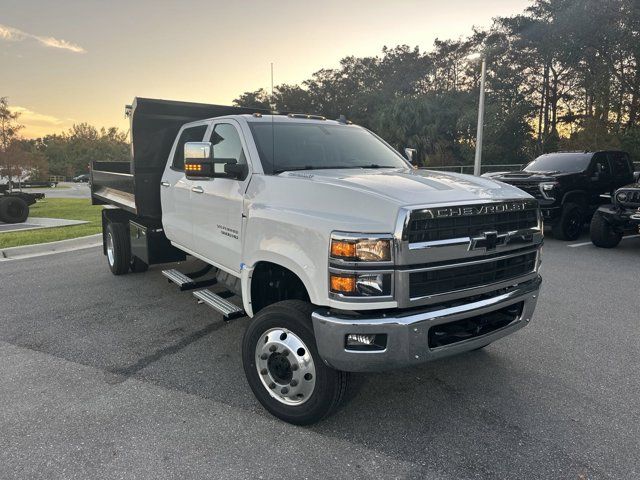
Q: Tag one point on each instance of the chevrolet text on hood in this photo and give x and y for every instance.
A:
(475, 210)
(344, 256)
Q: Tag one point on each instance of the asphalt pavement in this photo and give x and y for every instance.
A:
(126, 377)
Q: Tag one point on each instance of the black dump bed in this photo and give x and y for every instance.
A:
(135, 185)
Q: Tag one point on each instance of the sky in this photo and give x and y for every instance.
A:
(71, 61)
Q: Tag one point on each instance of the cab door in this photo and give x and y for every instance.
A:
(217, 203)
(175, 190)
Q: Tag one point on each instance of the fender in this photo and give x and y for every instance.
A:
(578, 193)
(304, 274)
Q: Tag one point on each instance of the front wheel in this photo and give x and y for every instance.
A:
(602, 233)
(569, 225)
(284, 369)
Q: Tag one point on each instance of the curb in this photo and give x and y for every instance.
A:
(39, 249)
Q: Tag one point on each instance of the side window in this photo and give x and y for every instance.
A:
(192, 134)
(601, 165)
(227, 145)
(620, 164)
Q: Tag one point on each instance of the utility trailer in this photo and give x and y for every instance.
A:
(14, 206)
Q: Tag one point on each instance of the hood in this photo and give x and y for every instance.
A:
(412, 187)
(532, 177)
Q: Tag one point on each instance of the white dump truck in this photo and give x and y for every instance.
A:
(345, 257)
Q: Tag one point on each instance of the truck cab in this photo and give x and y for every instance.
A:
(345, 257)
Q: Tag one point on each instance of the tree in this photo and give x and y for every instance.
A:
(17, 157)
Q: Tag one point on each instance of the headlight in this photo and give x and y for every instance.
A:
(621, 196)
(361, 249)
(546, 188)
(361, 284)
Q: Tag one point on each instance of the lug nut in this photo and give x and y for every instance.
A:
(294, 367)
(264, 356)
(294, 383)
(286, 353)
(263, 371)
(284, 391)
(272, 385)
(273, 348)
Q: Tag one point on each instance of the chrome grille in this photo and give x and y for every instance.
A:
(427, 226)
(633, 197)
(451, 278)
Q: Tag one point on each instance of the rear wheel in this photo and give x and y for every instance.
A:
(284, 369)
(118, 248)
(569, 225)
(602, 233)
(13, 210)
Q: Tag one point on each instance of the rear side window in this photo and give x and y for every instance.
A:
(191, 134)
(620, 163)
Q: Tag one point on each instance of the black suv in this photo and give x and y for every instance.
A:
(569, 186)
(610, 222)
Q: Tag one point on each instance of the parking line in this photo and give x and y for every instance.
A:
(589, 243)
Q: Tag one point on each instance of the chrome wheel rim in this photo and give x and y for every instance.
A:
(110, 253)
(285, 366)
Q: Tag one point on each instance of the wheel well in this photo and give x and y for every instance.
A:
(271, 283)
(578, 197)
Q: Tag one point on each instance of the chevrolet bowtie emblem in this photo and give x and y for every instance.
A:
(488, 240)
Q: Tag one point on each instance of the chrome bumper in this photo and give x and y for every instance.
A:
(407, 335)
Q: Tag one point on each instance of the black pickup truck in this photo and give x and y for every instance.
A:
(569, 186)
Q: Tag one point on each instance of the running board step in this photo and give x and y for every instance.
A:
(228, 310)
(178, 278)
(185, 282)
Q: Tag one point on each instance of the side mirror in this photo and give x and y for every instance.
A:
(199, 162)
(411, 154)
(236, 170)
(198, 159)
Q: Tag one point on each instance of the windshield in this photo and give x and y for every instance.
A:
(300, 146)
(560, 162)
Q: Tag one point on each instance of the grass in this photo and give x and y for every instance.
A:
(68, 208)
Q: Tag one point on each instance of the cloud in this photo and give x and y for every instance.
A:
(30, 117)
(39, 124)
(14, 35)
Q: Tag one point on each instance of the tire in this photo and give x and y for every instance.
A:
(569, 225)
(13, 209)
(287, 370)
(118, 248)
(602, 233)
(138, 266)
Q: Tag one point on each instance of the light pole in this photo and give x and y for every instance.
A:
(478, 160)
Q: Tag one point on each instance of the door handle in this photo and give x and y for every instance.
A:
(165, 184)
(197, 189)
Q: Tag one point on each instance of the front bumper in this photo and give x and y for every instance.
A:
(408, 333)
(624, 218)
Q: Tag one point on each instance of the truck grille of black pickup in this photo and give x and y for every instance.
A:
(460, 277)
(434, 229)
(468, 328)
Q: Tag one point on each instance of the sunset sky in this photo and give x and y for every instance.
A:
(82, 60)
